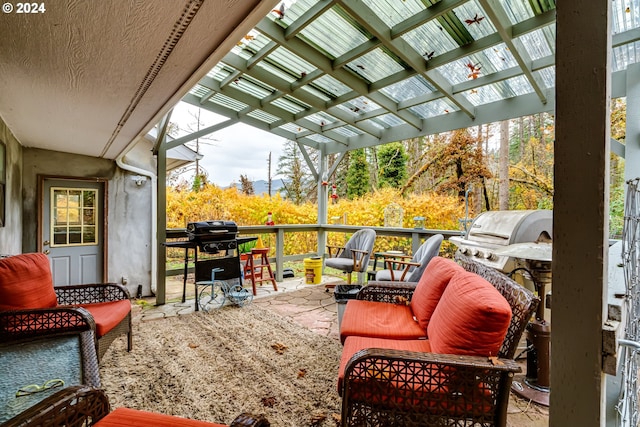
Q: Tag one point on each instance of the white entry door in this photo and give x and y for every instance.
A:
(72, 230)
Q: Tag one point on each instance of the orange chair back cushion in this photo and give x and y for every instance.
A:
(471, 318)
(25, 282)
(429, 289)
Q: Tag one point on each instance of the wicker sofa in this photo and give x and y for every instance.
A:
(457, 371)
(30, 305)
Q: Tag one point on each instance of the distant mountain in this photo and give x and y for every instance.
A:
(261, 186)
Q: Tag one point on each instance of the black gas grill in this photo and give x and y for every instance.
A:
(213, 236)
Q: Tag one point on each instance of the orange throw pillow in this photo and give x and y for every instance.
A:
(25, 282)
(429, 289)
(471, 319)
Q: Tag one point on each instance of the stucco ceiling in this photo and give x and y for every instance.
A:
(89, 77)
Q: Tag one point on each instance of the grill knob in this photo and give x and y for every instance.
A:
(465, 251)
(490, 256)
(479, 254)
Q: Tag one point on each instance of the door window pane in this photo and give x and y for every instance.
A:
(74, 214)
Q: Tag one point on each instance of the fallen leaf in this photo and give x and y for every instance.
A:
(318, 418)
(269, 401)
(279, 347)
(192, 345)
(302, 372)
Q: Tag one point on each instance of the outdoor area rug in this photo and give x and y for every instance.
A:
(215, 366)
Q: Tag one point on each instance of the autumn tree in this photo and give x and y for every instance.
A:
(392, 165)
(452, 162)
(357, 174)
(246, 186)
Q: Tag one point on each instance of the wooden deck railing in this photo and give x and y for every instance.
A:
(283, 232)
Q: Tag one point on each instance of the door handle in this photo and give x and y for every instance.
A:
(46, 252)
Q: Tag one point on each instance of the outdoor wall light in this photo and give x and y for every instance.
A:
(139, 180)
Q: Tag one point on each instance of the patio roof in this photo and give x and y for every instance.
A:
(346, 74)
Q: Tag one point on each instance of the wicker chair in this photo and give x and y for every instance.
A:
(31, 306)
(385, 387)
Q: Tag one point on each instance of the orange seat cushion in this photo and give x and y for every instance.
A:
(108, 314)
(429, 289)
(471, 318)
(354, 344)
(380, 320)
(125, 417)
(25, 282)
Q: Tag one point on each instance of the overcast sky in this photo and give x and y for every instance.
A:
(235, 150)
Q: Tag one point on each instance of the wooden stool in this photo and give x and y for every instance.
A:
(257, 261)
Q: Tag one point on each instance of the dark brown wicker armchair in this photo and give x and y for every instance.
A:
(31, 306)
(384, 387)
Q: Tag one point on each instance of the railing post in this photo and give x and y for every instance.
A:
(279, 254)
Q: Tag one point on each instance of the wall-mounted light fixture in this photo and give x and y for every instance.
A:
(139, 180)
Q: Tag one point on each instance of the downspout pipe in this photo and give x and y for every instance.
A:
(154, 211)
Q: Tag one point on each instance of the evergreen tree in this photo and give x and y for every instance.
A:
(392, 165)
(357, 174)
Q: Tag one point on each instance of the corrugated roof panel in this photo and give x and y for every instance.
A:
(517, 10)
(253, 41)
(625, 15)
(347, 131)
(289, 62)
(292, 11)
(322, 119)
(483, 95)
(390, 120)
(474, 19)
(293, 128)
(516, 86)
(548, 76)
(467, 68)
(317, 93)
(319, 138)
(290, 106)
(220, 72)
(331, 85)
(393, 12)
(624, 55)
(252, 86)
(333, 34)
(277, 72)
(540, 43)
(434, 108)
(375, 65)
(263, 116)
(374, 123)
(199, 90)
(228, 102)
(430, 40)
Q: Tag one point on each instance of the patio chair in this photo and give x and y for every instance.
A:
(31, 306)
(354, 255)
(403, 382)
(36, 367)
(411, 270)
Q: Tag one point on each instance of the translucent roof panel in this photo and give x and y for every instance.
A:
(289, 62)
(430, 40)
(334, 34)
(474, 18)
(540, 43)
(393, 12)
(517, 10)
(408, 89)
(375, 65)
(433, 108)
(336, 72)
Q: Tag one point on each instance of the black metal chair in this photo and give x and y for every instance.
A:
(412, 270)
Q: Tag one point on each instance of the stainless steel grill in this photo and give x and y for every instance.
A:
(495, 230)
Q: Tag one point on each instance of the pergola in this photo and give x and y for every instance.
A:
(338, 75)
